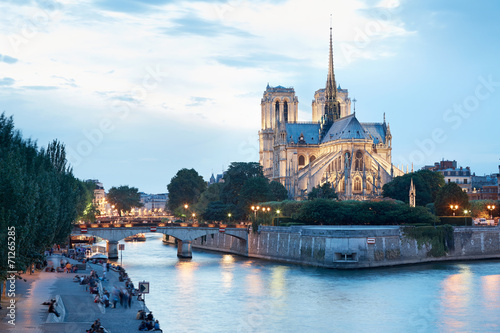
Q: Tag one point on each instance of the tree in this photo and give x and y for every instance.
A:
(217, 211)
(211, 194)
(325, 191)
(254, 190)
(426, 182)
(278, 191)
(40, 199)
(185, 188)
(451, 194)
(235, 177)
(124, 198)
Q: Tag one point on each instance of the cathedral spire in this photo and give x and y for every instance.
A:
(331, 87)
(332, 106)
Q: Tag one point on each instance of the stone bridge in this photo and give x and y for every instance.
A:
(183, 232)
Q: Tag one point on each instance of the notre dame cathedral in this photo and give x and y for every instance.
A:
(334, 147)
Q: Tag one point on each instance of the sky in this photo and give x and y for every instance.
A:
(137, 90)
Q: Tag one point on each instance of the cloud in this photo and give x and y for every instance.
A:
(257, 60)
(7, 81)
(198, 101)
(7, 59)
(130, 6)
(195, 25)
(40, 87)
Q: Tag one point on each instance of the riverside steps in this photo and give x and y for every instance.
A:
(76, 305)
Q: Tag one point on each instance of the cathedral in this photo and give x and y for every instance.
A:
(354, 157)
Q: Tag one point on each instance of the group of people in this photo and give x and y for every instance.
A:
(148, 322)
(97, 327)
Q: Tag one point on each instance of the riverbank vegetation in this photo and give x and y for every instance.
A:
(39, 198)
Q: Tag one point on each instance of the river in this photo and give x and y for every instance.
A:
(215, 292)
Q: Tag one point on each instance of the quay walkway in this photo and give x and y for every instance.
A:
(81, 311)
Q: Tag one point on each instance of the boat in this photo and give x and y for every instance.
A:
(136, 238)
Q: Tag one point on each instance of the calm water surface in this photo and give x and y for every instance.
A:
(226, 293)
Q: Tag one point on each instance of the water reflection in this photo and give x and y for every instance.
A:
(227, 293)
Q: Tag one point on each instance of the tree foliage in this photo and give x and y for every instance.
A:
(124, 198)
(185, 188)
(328, 212)
(325, 191)
(278, 191)
(451, 194)
(39, 196)
(427, 185)
(235, 177)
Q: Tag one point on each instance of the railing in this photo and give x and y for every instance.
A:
(150, 224)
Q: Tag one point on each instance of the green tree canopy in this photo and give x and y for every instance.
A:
(235, 177)
(278, 191)
(325, 191)
(185, 188)
(40, 199)
(124, 198)
(427, 184)
(451, 194)
(211, 194)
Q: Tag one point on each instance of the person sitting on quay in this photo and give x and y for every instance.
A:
(156, 326)
(150, 316)
(141, 315)
(52, 308)
(143, 326)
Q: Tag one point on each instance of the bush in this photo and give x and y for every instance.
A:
(455, 220)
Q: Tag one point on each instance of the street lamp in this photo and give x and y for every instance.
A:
(453, 208)
(278, 221)
(194, 215)
(490, 208)
(229, 216)
(255, 209)
(185, 211)
(465, 215)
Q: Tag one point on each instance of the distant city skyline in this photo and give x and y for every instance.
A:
(137, 90)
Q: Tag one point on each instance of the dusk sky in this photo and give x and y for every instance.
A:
(140, 89)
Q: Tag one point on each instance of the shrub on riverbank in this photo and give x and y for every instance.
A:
(327, 212)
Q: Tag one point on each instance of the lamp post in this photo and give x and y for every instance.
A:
(266, 209)
(453, 208)
(229, 217)
(185, 212)
(193, 215)
(255, 209)
(465, 215)
(490, 208)
(278, 221)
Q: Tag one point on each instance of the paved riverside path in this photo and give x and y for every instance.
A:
(81, 311)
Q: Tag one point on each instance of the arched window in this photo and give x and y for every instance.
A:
(358, 162)
(357, 185)
(277, 110)
(302, 160)
(369, 184)
(342, 185)
(285, 112)
(312, 158)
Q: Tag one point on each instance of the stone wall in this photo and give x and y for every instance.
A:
(351, 247)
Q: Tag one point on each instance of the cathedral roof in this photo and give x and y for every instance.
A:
(346, 128)
(376, 130)
(309, 132)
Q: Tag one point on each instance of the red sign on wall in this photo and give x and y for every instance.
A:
(153, 229)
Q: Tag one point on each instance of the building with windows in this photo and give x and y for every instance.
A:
(454, 174)
(334, 147)
(99, 201)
